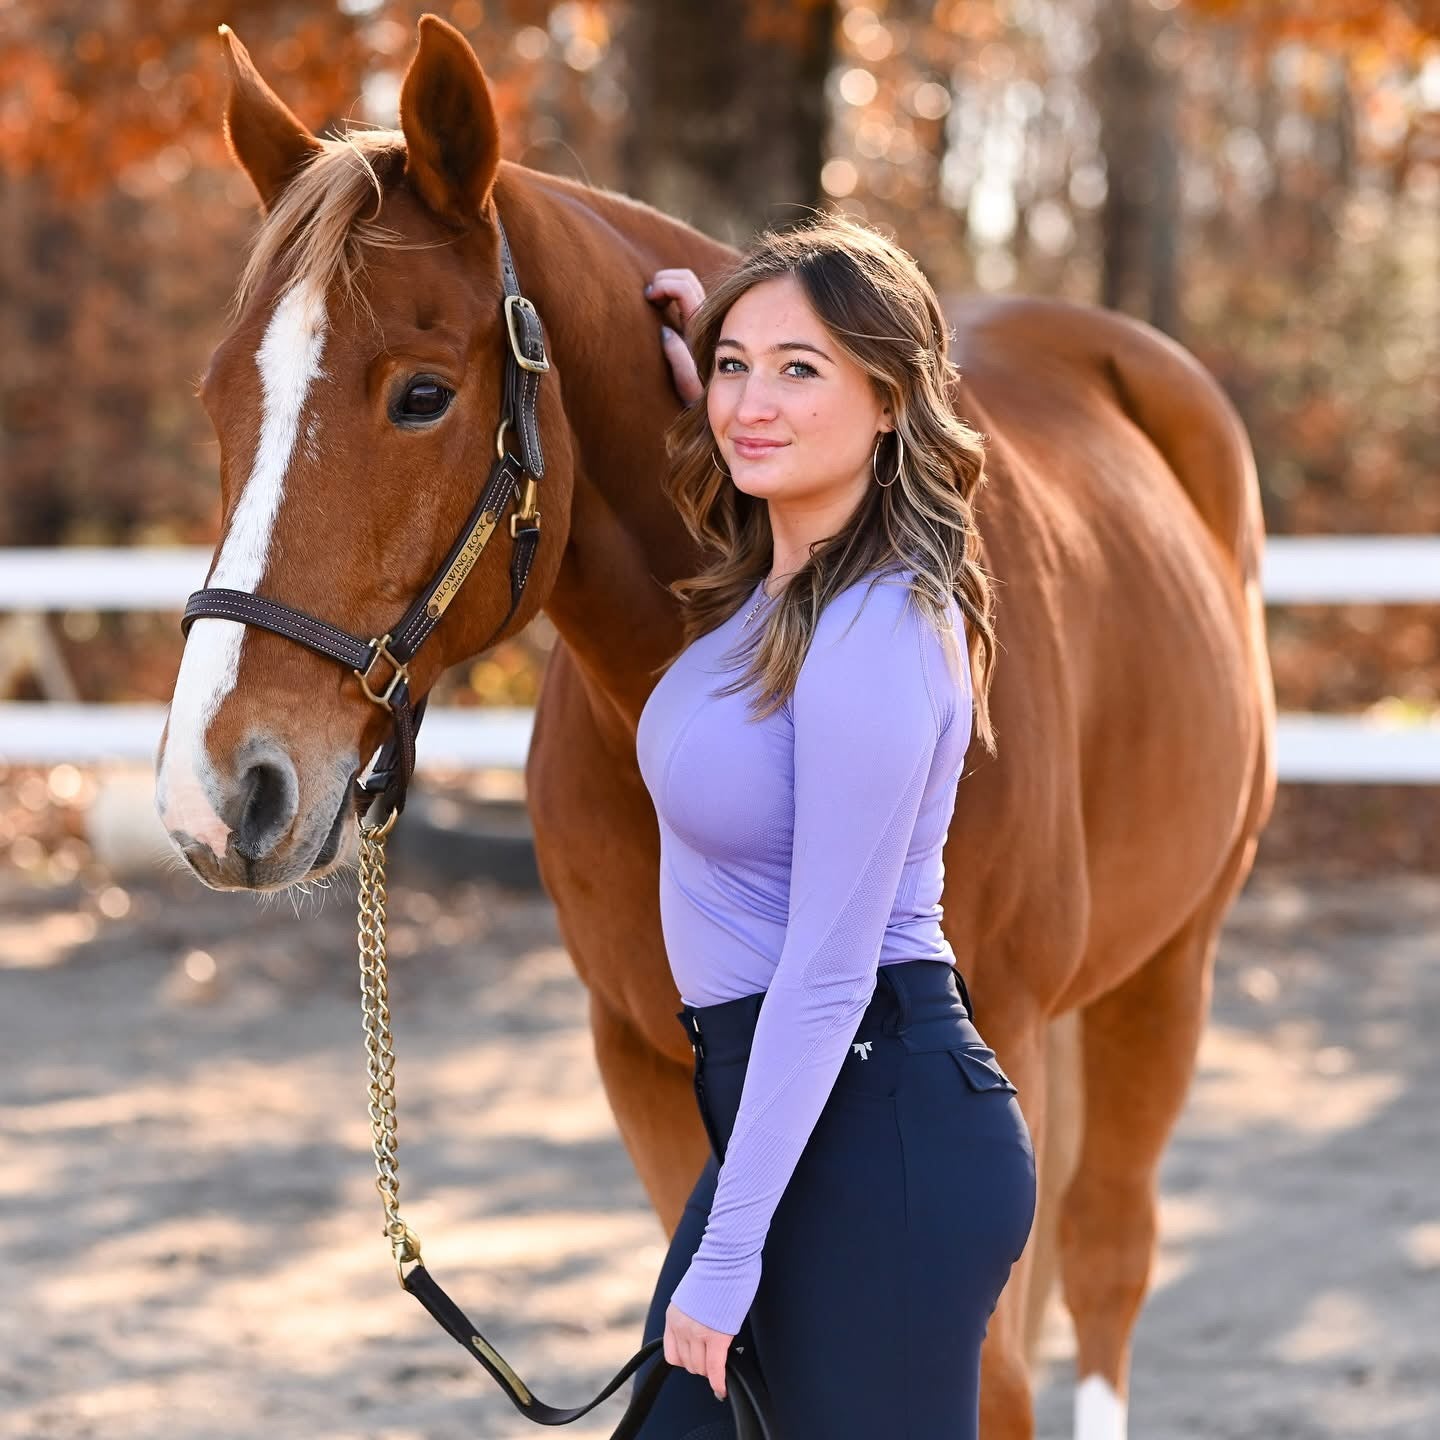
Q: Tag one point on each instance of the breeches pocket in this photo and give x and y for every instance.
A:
(977, 1063)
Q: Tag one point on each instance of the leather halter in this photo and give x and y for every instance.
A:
(525, 363)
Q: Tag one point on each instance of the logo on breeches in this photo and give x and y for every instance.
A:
(862, 1048)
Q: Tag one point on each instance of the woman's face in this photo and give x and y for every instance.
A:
(781, 382)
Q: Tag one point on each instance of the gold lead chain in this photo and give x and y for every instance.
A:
(379, 1043)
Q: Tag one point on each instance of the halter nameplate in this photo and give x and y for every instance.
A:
(462, 565)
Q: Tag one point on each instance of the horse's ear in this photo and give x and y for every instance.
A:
(452, 140)
(264, 136)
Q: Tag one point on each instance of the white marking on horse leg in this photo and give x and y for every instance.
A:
(1099, 1411)
(288, 361)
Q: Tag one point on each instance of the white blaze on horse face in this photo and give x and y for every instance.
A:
(1099, 1411)
(289, 362)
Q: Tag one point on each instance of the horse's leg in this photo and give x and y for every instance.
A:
(1139, 1044)
(653, 1099)
(1057, 1154)
(1006, 1403)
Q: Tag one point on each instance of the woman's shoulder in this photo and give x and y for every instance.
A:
(880, 601)
(876, 634)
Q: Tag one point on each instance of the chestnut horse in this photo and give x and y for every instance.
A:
(1088, 867)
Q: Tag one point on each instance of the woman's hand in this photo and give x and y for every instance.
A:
(683, 287)
(696, 1347)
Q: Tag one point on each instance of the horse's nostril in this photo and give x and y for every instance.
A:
(266, 801)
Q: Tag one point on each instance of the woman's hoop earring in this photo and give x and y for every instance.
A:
(720, 467)
(899, 461)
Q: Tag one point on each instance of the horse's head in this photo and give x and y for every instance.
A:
(356, 397)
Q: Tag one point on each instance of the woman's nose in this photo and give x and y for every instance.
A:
(757, 401)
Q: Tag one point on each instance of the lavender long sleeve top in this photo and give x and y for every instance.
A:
(797, 854)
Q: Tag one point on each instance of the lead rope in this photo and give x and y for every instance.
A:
(380, 1043)
(405, 1243)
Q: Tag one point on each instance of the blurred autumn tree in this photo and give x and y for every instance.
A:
(1261, 179)
(728, 120)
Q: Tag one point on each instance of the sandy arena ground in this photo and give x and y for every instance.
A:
(191, 1236)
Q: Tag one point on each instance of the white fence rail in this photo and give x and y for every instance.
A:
(1298, 570)
(1352, 569)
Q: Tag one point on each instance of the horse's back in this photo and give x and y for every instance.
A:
(1112, 361)
(1121, 519)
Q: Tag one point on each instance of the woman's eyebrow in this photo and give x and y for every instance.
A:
(783, 345)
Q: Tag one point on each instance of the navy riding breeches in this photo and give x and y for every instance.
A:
(894, 1237)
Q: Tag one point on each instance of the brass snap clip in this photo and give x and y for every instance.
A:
(378, 829)
(528, 511)
(405, 1246)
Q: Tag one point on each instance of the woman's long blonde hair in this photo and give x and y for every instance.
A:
(881, 310)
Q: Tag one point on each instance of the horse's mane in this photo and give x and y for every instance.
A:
(317, 228)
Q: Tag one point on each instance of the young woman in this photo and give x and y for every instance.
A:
(872, 1180)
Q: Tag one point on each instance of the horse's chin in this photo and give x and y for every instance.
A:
(325, 859)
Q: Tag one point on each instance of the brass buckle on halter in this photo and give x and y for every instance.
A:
(382, 652)
(513, 303)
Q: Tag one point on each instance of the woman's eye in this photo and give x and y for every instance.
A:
(721, 366)
(425, 400)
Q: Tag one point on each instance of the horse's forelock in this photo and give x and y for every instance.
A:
(317, 230)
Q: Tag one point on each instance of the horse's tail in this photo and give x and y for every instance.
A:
(1177, 403)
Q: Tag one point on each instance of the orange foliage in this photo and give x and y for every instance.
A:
(1402, 27)
(82, 104)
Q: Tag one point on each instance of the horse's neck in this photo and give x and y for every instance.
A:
(583, 257)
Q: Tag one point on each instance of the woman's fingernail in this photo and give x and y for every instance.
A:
(649, 288)
(666, 332)
(717, 1394)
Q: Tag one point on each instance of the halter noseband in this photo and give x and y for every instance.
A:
(525, 363)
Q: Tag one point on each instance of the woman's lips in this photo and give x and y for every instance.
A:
(758, 449)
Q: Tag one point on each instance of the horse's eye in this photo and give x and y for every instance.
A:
(425, 399)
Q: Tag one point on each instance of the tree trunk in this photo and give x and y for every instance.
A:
(728, 110)
(1135, 100)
